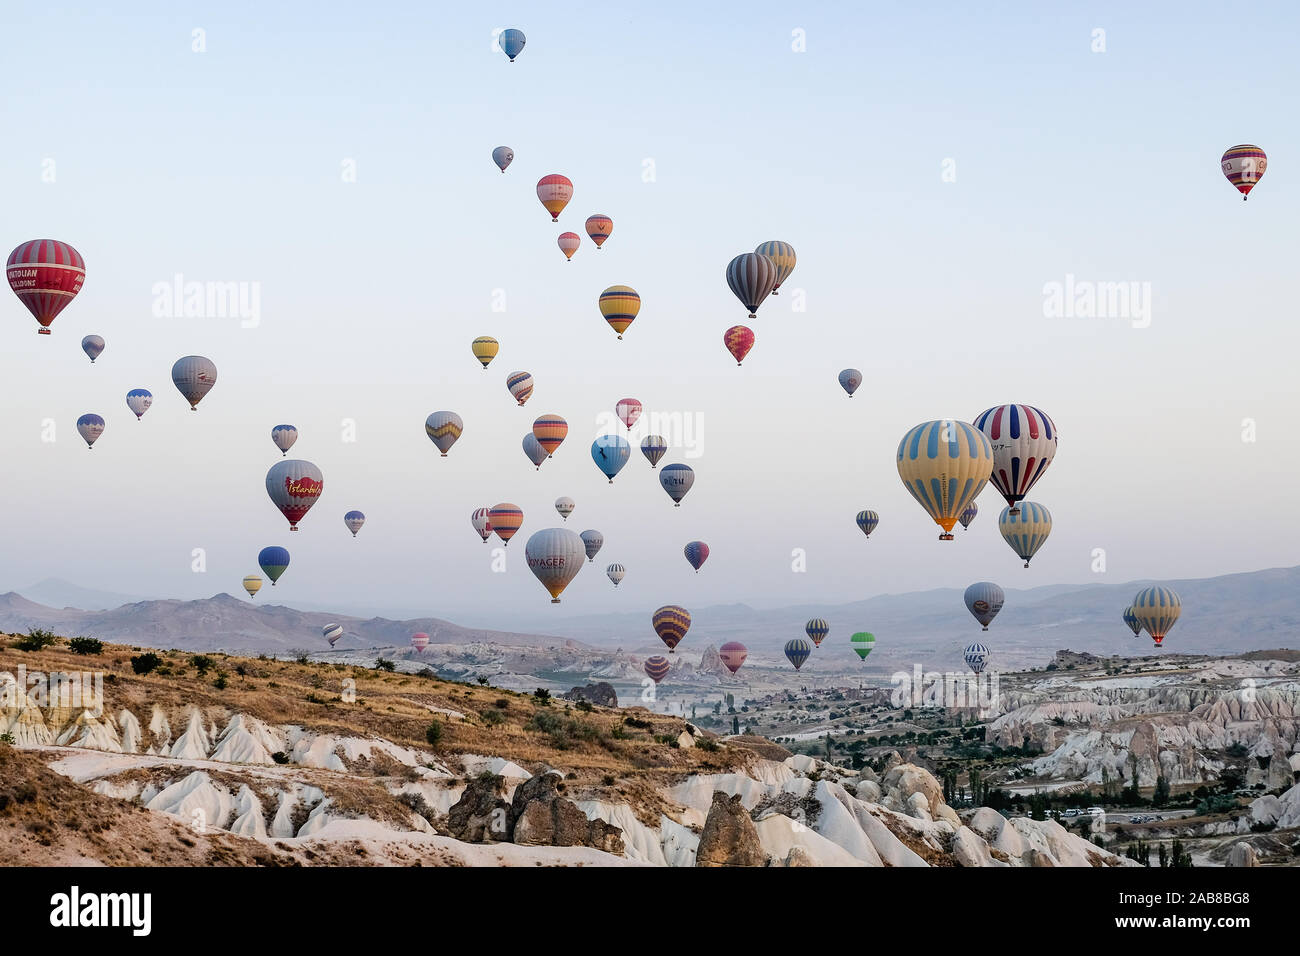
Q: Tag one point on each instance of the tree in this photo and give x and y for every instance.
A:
(735, 724)
(201, 663)
(1161, 796)
(433, 734)
(145, 663)
(37, 639)
(86, 645)
(1164, 855)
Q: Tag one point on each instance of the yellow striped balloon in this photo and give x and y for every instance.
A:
(944, 465)
(549, 430)
(485, 349)
(671, 622)
(252, 584)
(619, 304)
(782, 253)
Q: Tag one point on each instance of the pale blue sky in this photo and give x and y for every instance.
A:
(226, 165)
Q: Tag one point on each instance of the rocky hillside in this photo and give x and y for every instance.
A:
(257, 761)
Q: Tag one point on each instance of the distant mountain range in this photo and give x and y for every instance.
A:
(1221, 615)
(226, 623)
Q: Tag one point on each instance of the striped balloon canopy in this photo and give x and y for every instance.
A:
(569, 243)
(615, 573)
(550, 431)
(1025, 529)
(782, 256)
(862, 643)
(944, 464)
(817, 629)
(968, 515)
(1244, 165)
(1157, 610)
(485, 349)
(697, 552)
(1024, 442)
(797, 651)
(977, 657)
(1132, 621)
(733, 654)
(599, 228)
(654, 447)
(252, 584)
(867, 521)
(619, 304)
(273, 561)
(482, 522)
(751, 278)
(443, 428)
(657, 667)
(420, 641)
(505, 519)
(46, 275)
(554, 192)
(671, 622)
(332, 633)
(520, 385)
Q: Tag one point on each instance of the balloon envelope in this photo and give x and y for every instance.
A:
(93, 346)
(354, 520)
(555, 557)
(671, 622)
(284, 436)
(697, 552)
(867, 521)
(628, 411)
(420, 641)
(677, 480)
(554, 191)
(550, 431)
(797, 651)
(505, 519)
(485, 349)
(653, 447)
(565, 506)
(863, 644)
(139, 400)
(738, 339)
(610, 453)
(1132, 621)
(46, 275)
(733, 654)
(615, 573)
(657, 667)
(1024, 443)
(1157, 610)
(977, 657)
(598, 228)
(273, 561)
(751, 278)
(569, 243)
(503, 156)
(252, 584)
(592, 542)
(520, 385)
(944, 465)
(90, 427)
(817, 629)
(1026, 530)
(984, 599)
(332, 633)
(294, 486)
(194, 376)
(443, 428)
(850, 379)
(619, 304)
(512, 42)
(482, 523)
(535, 450)
(782, 256)
(968, 515)
(1244, 165)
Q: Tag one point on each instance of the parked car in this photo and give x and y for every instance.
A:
(1072, 812)
(1136, 819)
(1095, 812)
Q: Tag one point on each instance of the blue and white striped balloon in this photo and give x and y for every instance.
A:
(944, 464)
(284, 436)
(977, 657)
(1157, 609)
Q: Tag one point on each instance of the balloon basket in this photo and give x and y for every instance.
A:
(42, 331)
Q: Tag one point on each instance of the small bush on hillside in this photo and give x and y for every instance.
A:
(433, 734)
(220, 682)
(493, 717)
(36, 639)
(542, 696)
(7, 738)
(146, 663)
(482, 681)
(426, 673)
(585, 706)
(707, 744)
(501, 704)
(382, 664)
(280, 757)
(86, 645)
(299, 655)
(201, 663)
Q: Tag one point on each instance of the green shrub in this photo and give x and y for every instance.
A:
(381, 664)
(542, 696)
(201, 663)
(146, 663)
(585, 706)
(280, 757)
(86, 645)
(493, 717)
(433, 734)
(36, 639)
(220, 682)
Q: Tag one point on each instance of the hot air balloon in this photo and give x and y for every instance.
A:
(733, 654)
(535, 450)
(565, 507)
(482, 523)
(520, 385)
(554, 555)
(332, 633)
(984, 600)
(420, 641)
(485, 349)
(1244, 165)
(968, 515)
(862, 643)
(751, 277)
(598, 228)
(194, 376)
(797, 651)
(610, 453)
(619, 304)
(615, 573)
(817, 629)
(697, 552)
(443, 428)
(628, 411)
(1026, 530)
(294, 486)
(677, 481)
(354, 520)
(867, 521)
(284, 436)
(550, 430)
(90, 426)
(738, 339)
(671, 624)
(850, 379)
(657, 667)
(782, 256)
(654, 447)
(139, 400)
(1024, 444)
(554, 191)
(512, 42)
(1132, 621)
(569, 243)
(505, 519)
(977, 657)
(46, 275)
(944, 465)
(93, 346)
(592, 541)
(252, 584)
(273, 561)
(1157, 610)
(503, 156)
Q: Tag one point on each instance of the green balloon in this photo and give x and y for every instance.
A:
(862, 643)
